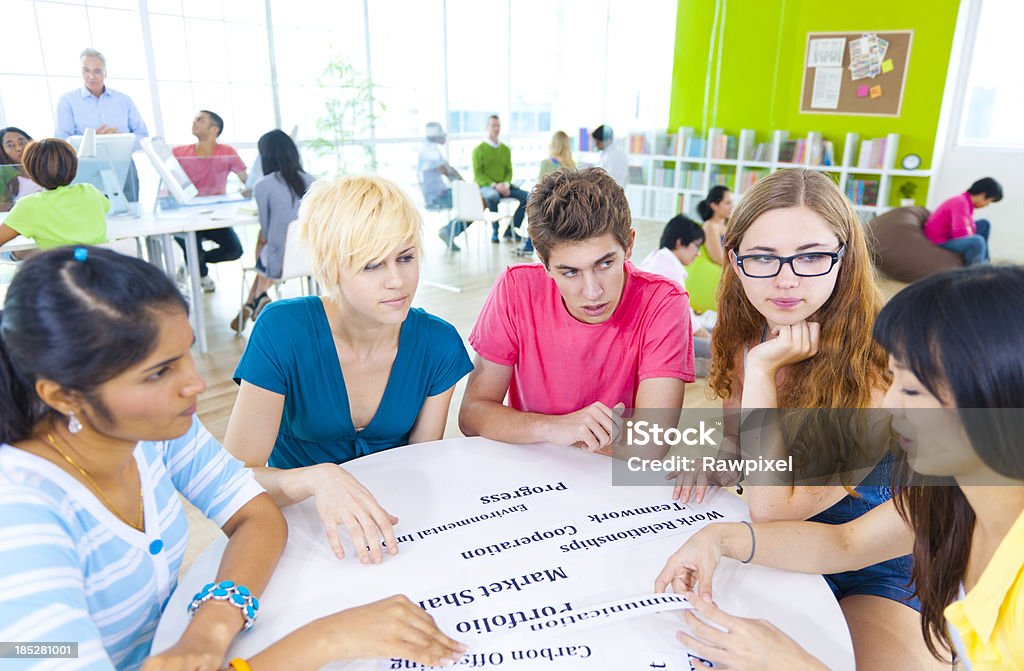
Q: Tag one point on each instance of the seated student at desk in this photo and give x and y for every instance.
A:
(12, 144)
(208, 163)
(571, 339)
(63, 213)
(324, 380)
(99, 443)
(278, 194)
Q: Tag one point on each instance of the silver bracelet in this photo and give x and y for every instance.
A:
(753, 542)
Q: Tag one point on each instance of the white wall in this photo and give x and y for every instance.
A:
(957, 167)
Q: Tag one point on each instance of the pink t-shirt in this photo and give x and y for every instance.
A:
(952, 219)
(209, 173)
(560, 364)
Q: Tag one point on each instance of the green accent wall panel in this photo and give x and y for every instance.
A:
(739, 64)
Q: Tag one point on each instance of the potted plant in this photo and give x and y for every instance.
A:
(350, 114)
(907, 191)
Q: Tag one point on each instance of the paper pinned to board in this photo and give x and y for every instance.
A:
(826, 52)
(886, 66)
(827, 83)
(866, 57)
(863, 91)
(876, 92)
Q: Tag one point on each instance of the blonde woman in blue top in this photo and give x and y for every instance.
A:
(98, 438)
(326, 379)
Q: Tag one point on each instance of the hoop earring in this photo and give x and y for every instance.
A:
(74, 426)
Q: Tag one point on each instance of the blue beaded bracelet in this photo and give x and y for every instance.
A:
(225, 590)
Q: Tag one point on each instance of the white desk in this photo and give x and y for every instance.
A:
(429, 486)
(164, 226)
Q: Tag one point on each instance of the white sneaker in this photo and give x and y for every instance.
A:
(207, 284)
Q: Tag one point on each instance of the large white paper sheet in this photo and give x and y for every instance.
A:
(827, 52)
(827, 82)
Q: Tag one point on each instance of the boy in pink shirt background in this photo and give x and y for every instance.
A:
(208, 163)
(576, 339)
(952, 225)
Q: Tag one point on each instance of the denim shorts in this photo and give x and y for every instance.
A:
(889, 579)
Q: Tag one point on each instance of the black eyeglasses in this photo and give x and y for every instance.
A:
(809, 264)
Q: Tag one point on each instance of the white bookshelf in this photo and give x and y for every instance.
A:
(650, 199)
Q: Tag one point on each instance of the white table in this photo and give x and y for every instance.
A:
(164, 226)
(434, 484)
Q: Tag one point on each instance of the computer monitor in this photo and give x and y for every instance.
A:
(174, 178)
(105, 161)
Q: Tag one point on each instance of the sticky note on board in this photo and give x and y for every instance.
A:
(886, 65)
(876, 92)
(862, 91)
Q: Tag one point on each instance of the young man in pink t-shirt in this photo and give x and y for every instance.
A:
(952, 225)
(580, 338)
(208, 163)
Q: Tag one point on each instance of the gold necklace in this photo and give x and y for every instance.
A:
(138, 526)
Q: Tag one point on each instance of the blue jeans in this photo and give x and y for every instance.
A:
(491, 197)
(974, 248)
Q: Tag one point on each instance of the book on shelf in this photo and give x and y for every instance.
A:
(762, 152)
(724, 146)
(694, 147)
(862, 191)
(584, 141)
(666, 144)
(693, 180)
(807, 152)
(637, 175)
(872, 154)
(636, 143)
(750, 177)
(723, 178)
(664, 177)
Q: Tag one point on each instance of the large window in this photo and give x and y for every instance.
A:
(994, 106)
(542, 65)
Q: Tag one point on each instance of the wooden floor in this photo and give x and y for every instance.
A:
(474, 269)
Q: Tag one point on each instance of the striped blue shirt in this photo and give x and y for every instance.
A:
(72, 571)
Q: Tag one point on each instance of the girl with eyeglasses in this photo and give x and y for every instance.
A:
(796, 303)
(961, 511)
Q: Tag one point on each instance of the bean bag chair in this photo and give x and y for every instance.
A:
(900, 249)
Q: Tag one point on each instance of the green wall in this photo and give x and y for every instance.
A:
(751, 77)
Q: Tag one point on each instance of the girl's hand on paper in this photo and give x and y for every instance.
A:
(394, 627)
(692, 564)
(342, 500)
(741, 644)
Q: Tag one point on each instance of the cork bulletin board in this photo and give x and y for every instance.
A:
(826, 91)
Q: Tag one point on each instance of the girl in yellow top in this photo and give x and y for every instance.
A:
(63, 213)
(706, 269)
(956, 398)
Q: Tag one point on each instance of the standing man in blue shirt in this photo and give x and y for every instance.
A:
(96, 106)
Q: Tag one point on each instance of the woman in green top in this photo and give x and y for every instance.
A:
(559, 158)
(559, 155)
(60, 214)
(706, 269)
